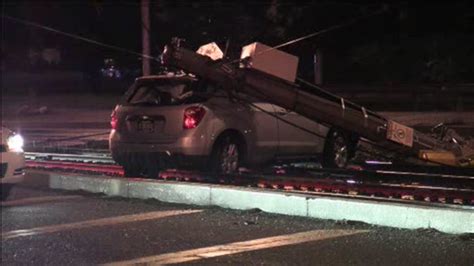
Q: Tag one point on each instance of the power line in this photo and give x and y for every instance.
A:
(78, 37)
(314, 34)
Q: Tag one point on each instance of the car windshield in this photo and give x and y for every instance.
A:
(166, 91)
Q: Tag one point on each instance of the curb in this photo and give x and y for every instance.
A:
(448, 220)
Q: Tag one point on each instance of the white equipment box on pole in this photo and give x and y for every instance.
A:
(271, 61)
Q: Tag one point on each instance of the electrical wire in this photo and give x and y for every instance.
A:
(374, 144)
(314, 34)
(339, 98)
(117, 48)
(78, 37)
(249, 103)
(245, 102)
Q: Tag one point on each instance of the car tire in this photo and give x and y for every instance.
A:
(338, 150)
(227, 155)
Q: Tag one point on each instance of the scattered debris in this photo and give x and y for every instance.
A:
(249, 223)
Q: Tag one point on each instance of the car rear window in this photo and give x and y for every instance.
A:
(166, 91)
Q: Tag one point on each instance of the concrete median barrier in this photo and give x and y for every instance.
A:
(457, 220)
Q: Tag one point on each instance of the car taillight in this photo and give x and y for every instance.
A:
(192, 116)
(113, 120)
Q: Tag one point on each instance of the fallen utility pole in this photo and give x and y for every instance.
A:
(332, 111)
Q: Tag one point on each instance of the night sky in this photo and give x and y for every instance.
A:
(387, 42)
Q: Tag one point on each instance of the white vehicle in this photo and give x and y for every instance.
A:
(12, 160)
(179, 120)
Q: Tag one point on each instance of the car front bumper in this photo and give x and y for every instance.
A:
(12, 167)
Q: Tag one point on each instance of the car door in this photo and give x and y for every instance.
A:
(265, 127)
(254, 119)
(295, 141)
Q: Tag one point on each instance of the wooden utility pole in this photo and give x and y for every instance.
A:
(145, 8)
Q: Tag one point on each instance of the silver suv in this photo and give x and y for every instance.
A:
(172, 121)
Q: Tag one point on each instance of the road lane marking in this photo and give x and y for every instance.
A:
(37, 200)
(238, 247)
(93, 223)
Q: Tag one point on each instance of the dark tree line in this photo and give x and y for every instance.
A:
(407, 42)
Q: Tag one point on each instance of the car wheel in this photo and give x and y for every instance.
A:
(227, 155)
(338, 150)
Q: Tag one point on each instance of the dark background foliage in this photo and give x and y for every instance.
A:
(408, 42)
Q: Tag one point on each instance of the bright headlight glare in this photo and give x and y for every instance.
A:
(15, 143)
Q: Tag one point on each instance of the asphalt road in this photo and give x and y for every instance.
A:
(44, 227)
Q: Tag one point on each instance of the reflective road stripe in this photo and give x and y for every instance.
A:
(37, 200)
(239, 247)
(93, 223)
